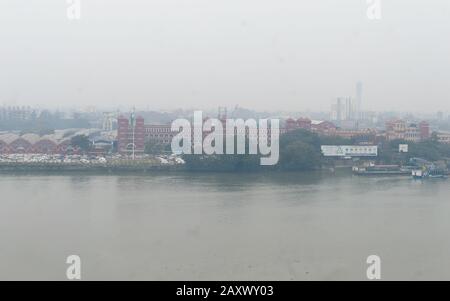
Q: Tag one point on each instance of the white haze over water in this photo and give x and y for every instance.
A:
(266, 55)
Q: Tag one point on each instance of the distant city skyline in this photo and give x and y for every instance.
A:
(168, 54)
(128, 108)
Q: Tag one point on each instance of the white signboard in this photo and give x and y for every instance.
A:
(349, 150)
(403, 148)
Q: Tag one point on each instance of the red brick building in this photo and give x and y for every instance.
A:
(301, 123)
(400, 129)
(424, 129)
(159, 133)
(130, 135)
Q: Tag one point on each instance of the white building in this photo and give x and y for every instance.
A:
(349, 150)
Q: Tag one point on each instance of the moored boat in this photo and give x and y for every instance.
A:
(433, 173)
(381, 170)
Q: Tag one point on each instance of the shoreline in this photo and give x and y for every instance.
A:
(74, 167)
(111, 168)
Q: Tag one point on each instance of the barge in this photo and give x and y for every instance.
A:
(382, 170)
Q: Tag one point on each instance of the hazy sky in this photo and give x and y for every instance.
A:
(261, 54)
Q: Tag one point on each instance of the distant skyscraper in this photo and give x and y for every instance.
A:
(339, 109)
(350, 109)
(336, 110)
(343, 109)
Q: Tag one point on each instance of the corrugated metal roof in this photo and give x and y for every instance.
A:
(32, 138)
(59, 136)
(8, 138)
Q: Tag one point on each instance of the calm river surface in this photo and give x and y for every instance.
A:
(212, 226)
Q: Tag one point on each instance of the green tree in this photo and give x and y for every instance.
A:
(299, 155)
(82, 142)
(301, 135)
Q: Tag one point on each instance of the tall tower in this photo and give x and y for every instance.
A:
(339, 109)
(131, 135)
(349, 109)
(359, 87)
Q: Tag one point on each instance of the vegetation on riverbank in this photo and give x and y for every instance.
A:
(430, 150)
(300, 151)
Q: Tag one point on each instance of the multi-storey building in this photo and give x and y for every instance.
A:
(363, 134)
(163, 134)
(400, 129)
(130, 135)
(159, 133)
(443, 137)
(319, 126)
(15, 113)
(301, 123)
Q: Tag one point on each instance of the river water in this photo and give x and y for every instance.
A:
(213, 226)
